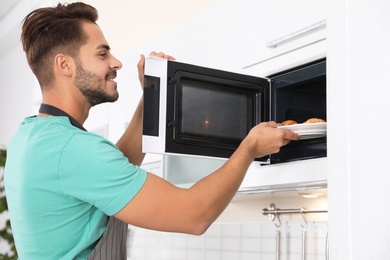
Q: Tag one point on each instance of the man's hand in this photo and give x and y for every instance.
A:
(141, 64)
(266, 138)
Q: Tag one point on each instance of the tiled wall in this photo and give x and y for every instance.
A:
(235, 241)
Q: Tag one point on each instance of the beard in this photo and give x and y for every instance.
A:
(92, 86)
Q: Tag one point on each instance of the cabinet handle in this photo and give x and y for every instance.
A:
(297, 34)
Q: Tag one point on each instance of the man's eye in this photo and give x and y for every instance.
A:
(103, 55)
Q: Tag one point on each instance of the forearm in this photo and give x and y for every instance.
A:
(130, 142)
(186, 210)
(215, 191)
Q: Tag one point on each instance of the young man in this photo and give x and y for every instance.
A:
(71, 193)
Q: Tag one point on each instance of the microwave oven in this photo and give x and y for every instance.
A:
(199, 111)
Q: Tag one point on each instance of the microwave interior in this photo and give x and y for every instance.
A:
(300, 94)
(209, 112)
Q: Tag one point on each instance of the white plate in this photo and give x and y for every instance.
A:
(307, 131)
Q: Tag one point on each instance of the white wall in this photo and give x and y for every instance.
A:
(18, 82)
(16, 92)
(231, 241)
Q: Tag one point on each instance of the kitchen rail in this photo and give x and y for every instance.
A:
(272, 211)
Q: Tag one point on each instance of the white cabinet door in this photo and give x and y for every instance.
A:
(232, 35)
(280, 34)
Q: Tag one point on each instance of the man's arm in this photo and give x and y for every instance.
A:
(160, 205)
(130, 142)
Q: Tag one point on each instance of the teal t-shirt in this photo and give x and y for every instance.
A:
(61, 184)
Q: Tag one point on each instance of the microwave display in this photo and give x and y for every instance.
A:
(193, 110)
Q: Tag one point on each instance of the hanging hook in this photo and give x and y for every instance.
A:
(274, 214)
(303, 250)
(278, 224)
(304, 219)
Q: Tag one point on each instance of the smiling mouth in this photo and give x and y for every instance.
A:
(111, 76)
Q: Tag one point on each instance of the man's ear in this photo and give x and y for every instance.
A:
(63, 64)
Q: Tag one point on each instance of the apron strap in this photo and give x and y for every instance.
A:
(54, 111)
(112, 244)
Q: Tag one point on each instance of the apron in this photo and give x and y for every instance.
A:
(112, 245)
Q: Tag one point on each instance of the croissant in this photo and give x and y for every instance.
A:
(314, 120)
(289, 122)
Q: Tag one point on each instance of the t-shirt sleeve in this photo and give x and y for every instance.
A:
(94, 170)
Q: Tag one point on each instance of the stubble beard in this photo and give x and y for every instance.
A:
(91, 86)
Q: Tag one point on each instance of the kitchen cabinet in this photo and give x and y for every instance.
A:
(232, 35)
(269, 33)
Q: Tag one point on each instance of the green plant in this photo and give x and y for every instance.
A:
(6, 232)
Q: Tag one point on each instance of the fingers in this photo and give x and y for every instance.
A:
(266, 138)
(141, 64)
(269, 124)
(140, 67)
(288, 135)
(162, 55)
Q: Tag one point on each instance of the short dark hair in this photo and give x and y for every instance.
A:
(48, 31)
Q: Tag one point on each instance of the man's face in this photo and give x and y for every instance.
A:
(96, 68)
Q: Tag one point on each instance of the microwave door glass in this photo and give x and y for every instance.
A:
(209, 113)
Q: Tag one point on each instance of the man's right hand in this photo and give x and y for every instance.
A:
(265, 138)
